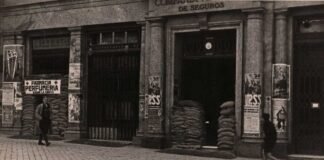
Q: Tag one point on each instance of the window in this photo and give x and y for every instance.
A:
(50, 55)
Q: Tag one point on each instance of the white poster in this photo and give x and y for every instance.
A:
(8, 94)
(74, 108)
(280, 116)
(251, 120)
(280, 80)
(42, 86)
(252, 100)
(13, 62)
(74, 76)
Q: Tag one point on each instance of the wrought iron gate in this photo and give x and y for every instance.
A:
(113, 95)
(308, 100)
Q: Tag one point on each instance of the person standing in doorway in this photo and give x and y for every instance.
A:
(43, 116)
(270, 137)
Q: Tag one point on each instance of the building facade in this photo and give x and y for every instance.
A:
(185, 74)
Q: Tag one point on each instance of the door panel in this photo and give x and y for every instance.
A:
(308, 119)
(113, 95)
(209, 82)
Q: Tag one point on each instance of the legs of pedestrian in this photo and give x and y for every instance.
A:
(40, 139)
(46, 140)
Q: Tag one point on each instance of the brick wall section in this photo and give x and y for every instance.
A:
(59, 104)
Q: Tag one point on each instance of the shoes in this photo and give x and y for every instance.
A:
(47, 144)
(40, 143)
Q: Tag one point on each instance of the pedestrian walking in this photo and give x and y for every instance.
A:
(270, 137)
(43, 116)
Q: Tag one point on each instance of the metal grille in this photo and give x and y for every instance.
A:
(308, 121)
(113, 95)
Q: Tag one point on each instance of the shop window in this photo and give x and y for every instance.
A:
(50, 55)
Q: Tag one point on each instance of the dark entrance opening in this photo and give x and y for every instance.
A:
(308, 87)
(113, 83)
(208, 73)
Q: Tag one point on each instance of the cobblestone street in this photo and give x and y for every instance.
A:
(21, 149)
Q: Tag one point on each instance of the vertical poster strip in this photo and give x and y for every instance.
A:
(252, 106)
(7, 116)
(7, 104)
(8, 94)
(13, 63)
(74, 108)
(154, 95)
(17, 95)
(280, 116)
(75, 76)
(280, 80)
(154, 104)
(75, 54)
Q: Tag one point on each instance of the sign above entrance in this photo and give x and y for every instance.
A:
(171, 7)
(43, 86)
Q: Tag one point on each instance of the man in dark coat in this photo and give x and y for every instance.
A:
(43, 116)
(270, 137)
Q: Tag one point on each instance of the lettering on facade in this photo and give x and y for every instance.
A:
(42, 86)
(190, 5)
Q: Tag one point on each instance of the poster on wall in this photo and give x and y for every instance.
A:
(75, 56)
(280, 116)
(74, 76)
(280, 80)
(7, 116)
(154, 120)
(8, 94)
(252, 104)
(74, 108)
(252, 83)
(12, 62)
(17, 95)
(154, 89)
(42, 86)
(251, 120)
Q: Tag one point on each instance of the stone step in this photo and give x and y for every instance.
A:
(305, 157)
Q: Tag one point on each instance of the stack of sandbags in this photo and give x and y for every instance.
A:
(187, 127)
(28, 122)
(226, 123)
(59, 105)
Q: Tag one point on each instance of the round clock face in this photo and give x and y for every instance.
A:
(208, 45)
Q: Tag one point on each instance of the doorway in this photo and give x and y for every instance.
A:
(208, 74)
(308, 103)
(113, 84)
(308, 86)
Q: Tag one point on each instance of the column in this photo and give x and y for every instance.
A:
(76, 110)
(142, 81)
(253, 78)
(281, 76)
(154, 116)
(141, 106)
(281, 37)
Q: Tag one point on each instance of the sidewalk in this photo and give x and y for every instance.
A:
(21, 149)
